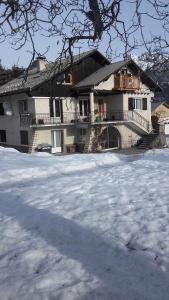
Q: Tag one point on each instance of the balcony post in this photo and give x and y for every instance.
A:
(92, 106)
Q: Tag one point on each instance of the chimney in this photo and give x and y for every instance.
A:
(39, 63)
(127, 56)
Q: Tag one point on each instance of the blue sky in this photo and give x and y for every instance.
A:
(22, 57)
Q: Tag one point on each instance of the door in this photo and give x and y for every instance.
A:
(101, 109)
(84, 107)
(55, 110)
(56, 141)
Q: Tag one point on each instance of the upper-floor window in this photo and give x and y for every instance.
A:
(84, 107)
(3, 136)
(137, 103)
(55, 106)
(68, 78)
(6, 109)
(23, 106)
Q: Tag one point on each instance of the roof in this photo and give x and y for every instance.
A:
(34, 78)
(103, 73)
(156, 104)
(100, 74)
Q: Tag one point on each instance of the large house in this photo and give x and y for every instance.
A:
(90, 105)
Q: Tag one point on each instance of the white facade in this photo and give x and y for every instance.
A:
(66, 121)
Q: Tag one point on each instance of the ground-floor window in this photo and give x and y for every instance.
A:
(3, 136)
(24, 137)
(110, 138)
(82, 133)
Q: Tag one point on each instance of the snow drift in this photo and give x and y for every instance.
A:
(82, 227)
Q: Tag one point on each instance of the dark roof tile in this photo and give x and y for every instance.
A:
(35, 78)
(100, 74)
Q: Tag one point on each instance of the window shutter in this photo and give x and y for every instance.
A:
(144, 103)
(130, 103)
(51, 107)
(61, 113)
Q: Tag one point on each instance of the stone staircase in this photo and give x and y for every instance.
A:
(151, 140)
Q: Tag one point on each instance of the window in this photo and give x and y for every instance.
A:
(68, 78)
(6, 109)
(84, 107)
(82, 134)
(55, 106)
(137, 103)
(24, 137)
(2, 113)
(3, 136)
(82, 131)
(23, 106)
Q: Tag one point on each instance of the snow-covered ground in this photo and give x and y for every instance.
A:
(84, 227)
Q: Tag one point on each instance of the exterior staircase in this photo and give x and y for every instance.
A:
(130, 118)
(152, 140)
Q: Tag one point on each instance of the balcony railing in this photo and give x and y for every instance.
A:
(46, 119)
(126, 82)
(127, 115)
(70, 117)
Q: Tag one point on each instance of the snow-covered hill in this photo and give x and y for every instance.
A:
(82, 227)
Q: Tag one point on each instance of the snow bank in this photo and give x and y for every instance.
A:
(49, 165)
(11, 150)
(84, 227)
(160, 155)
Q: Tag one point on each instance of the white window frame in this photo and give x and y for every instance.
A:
(136, 101)
(57, 147)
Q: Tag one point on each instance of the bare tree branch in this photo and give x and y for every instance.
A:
(122, 22)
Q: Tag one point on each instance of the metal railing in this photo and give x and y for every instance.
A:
(74, 117)
(45, 119)
(127, 115)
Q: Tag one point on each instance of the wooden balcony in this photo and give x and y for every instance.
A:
(126, 82)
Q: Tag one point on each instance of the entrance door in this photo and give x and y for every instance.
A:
(56, 141)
